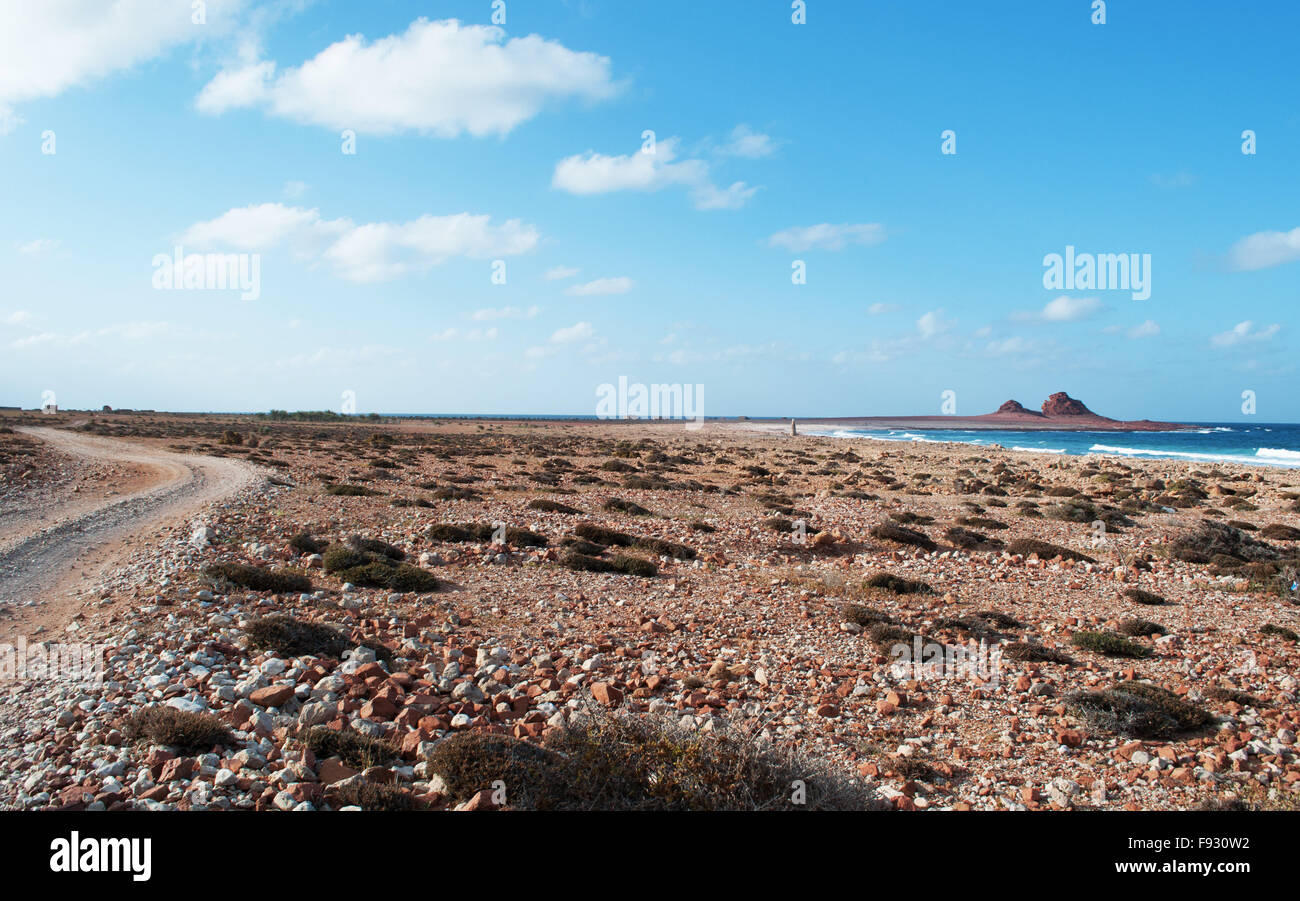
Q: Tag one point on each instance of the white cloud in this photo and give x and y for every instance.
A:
(1148, 329)
(1244, 332)
(39, 245)
(597, 173)
(441, 78)
(295, 189)
(601, 286)
(747, 143)
(474, 334)
(708, 196)
(369, 252)
(17, 317)
(879, 309)
(1015, 346)
(579, 331)
(125, 331)
(1063, 309)
(490, 313)
(1263, 250)
(558, 273)
(932, 324)
(827, 237)
(50, 46)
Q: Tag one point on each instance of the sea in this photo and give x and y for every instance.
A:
(1263, 444)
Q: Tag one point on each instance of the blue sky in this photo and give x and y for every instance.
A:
(774, 142)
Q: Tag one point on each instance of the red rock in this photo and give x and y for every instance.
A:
(606, 694)
(333, 770)
(271, 695)
(157, 793)
(481, 801)
(1071, 738)
(379, 709)
(177, 768)
(828, 710)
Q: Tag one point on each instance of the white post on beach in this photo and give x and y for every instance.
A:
(793, 430)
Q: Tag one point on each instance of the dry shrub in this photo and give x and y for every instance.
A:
(191, 733)
(613, 760)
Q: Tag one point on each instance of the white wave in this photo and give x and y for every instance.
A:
(1040, 450)
(1278, 453)
(1193, 455)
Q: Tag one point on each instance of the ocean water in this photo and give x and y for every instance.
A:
(1265, 444)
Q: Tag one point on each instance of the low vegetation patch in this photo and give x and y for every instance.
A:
(618, 505)
(890, 531)
(863, 616)
(1045, 550)
(1109, 645)
(601, 535)
(617, 761)
(259, 578)
(351, 491)
(1148, 598)
(303, 543)
(372, 569)
(356, 750)
(191, 733)
(897, 584)
(287, 636)
(620, 563)
(549, 506)
(1032, 652)
(1138, 710)
(1279, 631)
(1140, 628)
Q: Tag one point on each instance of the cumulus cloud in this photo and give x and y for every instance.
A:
(601, 286)
(747, 143)
(827, 237)
(1243, 333)
(366, 252)
(53, 45)
(1263, 250)
(647, 170)
(17, 317)
(1148, 329)
(1063, 309)
(439, 78)
(932, 324)
(579, 331)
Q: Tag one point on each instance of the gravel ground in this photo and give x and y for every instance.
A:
(752, 631)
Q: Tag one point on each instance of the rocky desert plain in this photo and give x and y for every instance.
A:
(477, 614)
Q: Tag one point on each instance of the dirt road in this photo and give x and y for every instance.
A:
(60, 541)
